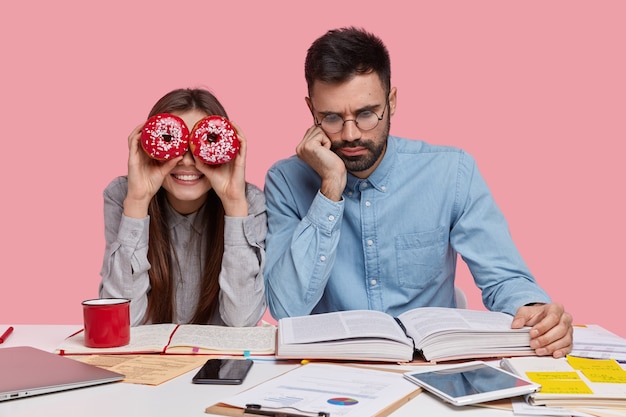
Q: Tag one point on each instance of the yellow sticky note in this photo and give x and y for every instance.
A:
(559, 382)
(599, 370)
(540, 377)
(583, 364)
(611, 377)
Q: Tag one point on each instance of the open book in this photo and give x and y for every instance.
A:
(572, 382)
(184, 339)
(430, 333)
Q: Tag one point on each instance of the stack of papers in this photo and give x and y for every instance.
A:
(593, 341)
(573, 382)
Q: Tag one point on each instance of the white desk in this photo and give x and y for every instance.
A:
(178, 397)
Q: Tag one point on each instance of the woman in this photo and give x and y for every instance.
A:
(185, 240)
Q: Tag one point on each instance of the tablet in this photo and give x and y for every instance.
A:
(471, 383)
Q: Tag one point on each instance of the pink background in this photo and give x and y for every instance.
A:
(535, 90)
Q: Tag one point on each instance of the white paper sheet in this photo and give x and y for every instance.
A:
(339, 390)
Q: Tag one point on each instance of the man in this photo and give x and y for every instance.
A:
(364, 220)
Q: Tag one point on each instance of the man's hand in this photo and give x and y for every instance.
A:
(314, 149)
(551, 333)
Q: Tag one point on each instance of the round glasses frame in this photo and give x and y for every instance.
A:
(363, 118)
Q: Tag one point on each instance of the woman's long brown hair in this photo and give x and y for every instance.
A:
(160, 255)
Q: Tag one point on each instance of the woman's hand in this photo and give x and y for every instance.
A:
(229, 179)
(145, 176)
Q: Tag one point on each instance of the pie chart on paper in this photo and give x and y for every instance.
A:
(342, 401)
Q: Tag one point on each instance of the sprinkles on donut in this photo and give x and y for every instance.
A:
(165, 136)
(214, 140)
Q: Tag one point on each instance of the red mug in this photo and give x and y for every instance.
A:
(107, 322)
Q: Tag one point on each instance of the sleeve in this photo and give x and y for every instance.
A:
(242, 289)
(124, 272)
(481, 235)
(301, 249)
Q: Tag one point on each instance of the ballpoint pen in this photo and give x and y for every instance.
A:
(256, 409)
(6, 334)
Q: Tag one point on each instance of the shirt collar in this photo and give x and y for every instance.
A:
(176, 219)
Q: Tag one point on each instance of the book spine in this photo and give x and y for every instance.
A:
(415, 351)
(169, 341)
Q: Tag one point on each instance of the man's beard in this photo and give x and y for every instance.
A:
(362, 162)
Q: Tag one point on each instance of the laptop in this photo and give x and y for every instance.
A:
(26, 371)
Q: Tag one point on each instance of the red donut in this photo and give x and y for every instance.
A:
(165, 136)
(214, 140)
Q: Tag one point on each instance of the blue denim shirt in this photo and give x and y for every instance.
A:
(391, 243)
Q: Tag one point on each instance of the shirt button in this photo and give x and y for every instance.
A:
(331, 217)
(364, 185)
(384, 188)
(367, 204)
(373, 282)
(349, 193)
(323, 258)
(370, 242)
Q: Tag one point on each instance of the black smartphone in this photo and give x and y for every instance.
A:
(223, 371)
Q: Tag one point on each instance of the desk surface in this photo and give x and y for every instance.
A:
(178, 397)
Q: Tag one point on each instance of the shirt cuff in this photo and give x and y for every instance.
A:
(134, 232)
(245, 231)
(325, 214)
(234, 234)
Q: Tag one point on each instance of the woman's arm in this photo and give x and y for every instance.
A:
(125, 265)
(242, 289)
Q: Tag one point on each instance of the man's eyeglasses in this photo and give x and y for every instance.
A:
(366, 120)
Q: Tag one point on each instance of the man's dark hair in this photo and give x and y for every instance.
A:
(340, 54)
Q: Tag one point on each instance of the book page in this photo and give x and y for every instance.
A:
(421, 322)
(255, 340)
(340, 325)
(146, 338)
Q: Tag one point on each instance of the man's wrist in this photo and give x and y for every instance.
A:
(333, 189)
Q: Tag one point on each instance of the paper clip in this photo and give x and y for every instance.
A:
(258, 410)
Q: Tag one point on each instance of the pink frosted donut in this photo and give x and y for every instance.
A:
(214, 140)
(165, 136)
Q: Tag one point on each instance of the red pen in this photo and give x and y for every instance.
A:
(6, 334)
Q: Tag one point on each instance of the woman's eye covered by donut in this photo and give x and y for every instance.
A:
(213, 139)
(165, 136)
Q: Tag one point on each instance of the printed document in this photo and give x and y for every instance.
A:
(337, 389)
